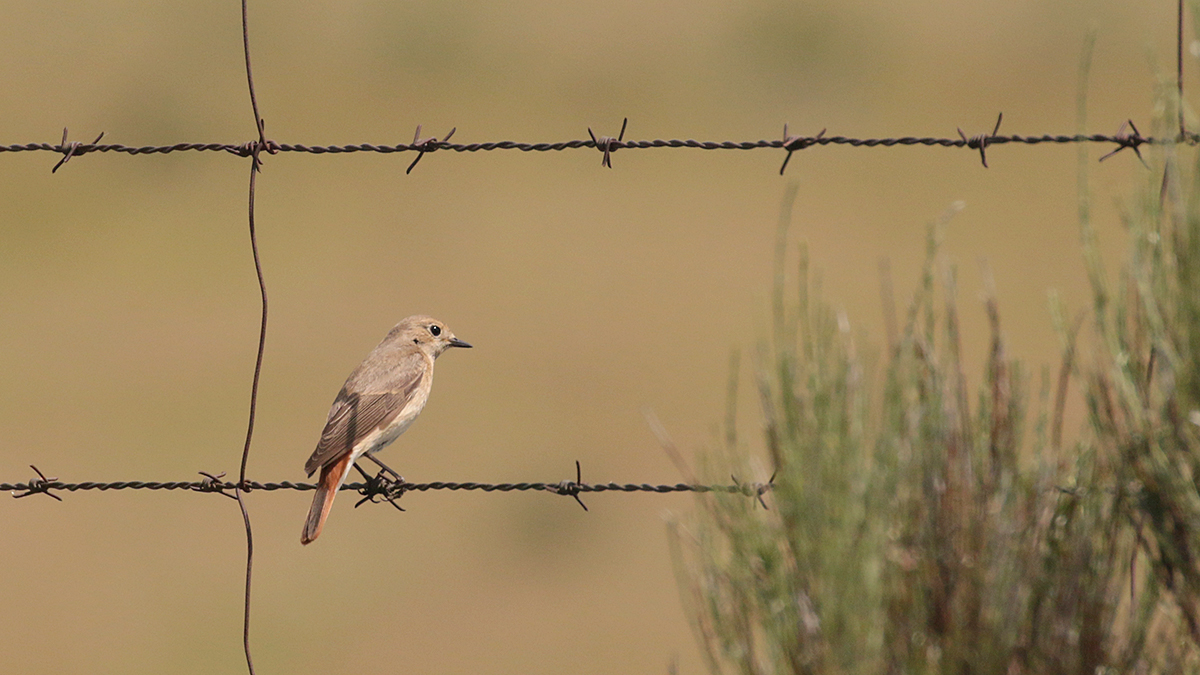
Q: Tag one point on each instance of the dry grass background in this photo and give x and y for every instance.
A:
(130, 308)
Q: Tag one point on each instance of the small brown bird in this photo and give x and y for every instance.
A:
(383, 395)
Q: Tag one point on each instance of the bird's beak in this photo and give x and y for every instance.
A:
(455, 342)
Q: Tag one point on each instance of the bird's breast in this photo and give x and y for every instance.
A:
(412, 407)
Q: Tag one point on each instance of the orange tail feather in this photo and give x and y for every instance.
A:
(332, 476)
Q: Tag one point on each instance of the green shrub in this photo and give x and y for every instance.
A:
(917, 527)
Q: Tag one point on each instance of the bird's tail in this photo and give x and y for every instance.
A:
(332, 476)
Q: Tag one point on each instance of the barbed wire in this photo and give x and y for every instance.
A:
(34, 487)
(377, 486)
(609, 145)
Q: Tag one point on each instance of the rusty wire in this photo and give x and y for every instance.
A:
(255, 150)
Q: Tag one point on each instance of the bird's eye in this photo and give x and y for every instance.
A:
(436, 330)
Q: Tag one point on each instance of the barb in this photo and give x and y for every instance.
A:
(1128, 141)
(608, 145)
(69, 150)
(213, 483)
(426, 145)
(981, 142)
(39, 485)
(571, 487)
(382, 485)
(794, 143)
(755, 490)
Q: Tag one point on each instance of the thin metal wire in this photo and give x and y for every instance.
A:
(37, 486)
(1179, 70)
(255, 150)
(380, 487)
(790, 143)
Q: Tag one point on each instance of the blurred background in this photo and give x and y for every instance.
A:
(131, 311)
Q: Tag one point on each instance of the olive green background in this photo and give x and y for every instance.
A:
(130, 310)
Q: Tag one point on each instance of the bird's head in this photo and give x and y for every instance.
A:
(428, 334)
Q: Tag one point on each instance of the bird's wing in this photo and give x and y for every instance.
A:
(370, 400)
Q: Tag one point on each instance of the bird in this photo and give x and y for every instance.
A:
(379, 400)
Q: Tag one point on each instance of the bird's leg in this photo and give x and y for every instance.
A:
(365, 475)
(379, 485)
(385, 467)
